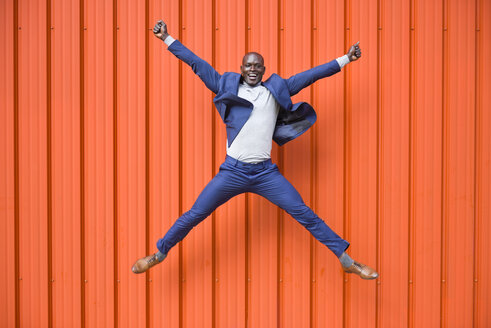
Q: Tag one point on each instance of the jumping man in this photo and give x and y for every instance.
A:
(255, 114)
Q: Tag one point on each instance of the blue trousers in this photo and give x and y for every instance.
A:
(264, 179)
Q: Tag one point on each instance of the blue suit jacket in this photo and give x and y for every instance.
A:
(293, 119)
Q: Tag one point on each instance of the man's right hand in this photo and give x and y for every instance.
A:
(160, 30)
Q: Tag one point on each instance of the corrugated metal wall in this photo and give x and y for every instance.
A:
(106, 138)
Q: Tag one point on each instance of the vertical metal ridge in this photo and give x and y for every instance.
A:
(49, 179)
(411, 165)
(246, 25)
(115, 159)
(213, 116)
(246, 205)
(312, 174)
(477, 164)
(279, 232)
(214, 285)
(16, 163)
(443, 190)
(147, 159)
(82, 162)
(347, 162)
(378, 251)
(246, 260)
(180, 155)
(278, 258)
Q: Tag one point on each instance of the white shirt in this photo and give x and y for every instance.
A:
(254, 141)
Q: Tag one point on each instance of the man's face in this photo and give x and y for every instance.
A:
(252, 68)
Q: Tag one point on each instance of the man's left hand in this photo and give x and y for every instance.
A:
(354, 52)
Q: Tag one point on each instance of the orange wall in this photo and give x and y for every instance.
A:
(105, 138)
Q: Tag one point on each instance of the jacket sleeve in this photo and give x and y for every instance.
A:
(205, 71)
(302, 80)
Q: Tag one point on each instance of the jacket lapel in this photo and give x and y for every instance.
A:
(278, 88)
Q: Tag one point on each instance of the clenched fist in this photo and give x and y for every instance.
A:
(354, 52)
(160, 30)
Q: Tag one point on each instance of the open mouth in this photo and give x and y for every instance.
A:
(252, 76)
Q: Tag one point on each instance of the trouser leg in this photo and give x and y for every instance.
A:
(220, 189)
(275, 187)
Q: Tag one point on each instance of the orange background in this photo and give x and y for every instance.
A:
(106, 138)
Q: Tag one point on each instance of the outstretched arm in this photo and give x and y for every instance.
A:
(302, 80)
(200, 67)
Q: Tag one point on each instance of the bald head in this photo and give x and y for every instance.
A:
(252, 68)
(252, 53)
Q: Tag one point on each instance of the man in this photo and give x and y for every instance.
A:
(255, 114)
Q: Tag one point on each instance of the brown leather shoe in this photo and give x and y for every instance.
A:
(364, 271)
(145, 263)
